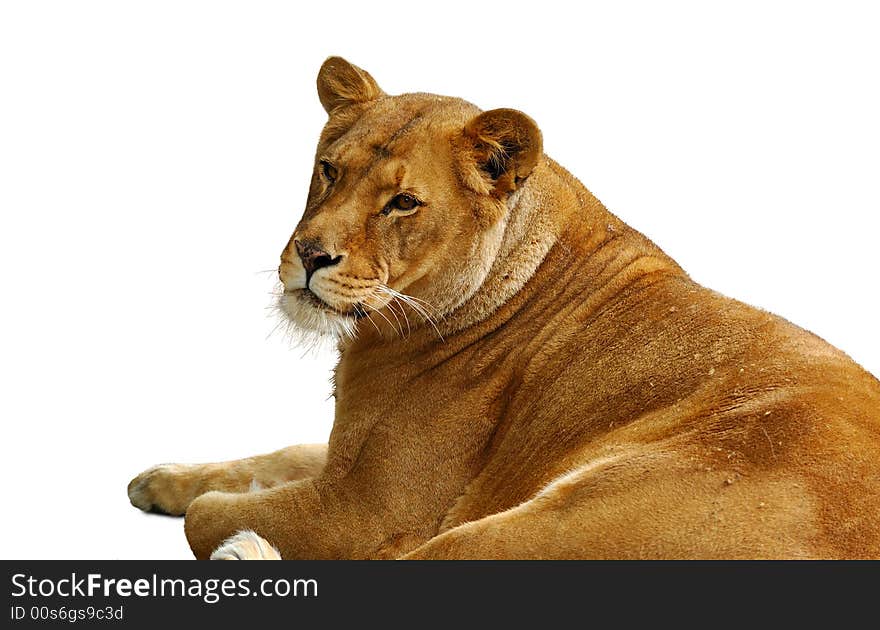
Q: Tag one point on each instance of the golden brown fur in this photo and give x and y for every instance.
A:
(575, 394)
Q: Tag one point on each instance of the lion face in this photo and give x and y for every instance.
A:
(406, 207)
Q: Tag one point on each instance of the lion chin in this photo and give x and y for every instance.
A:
(310, 320)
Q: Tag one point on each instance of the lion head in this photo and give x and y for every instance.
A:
(407, 205)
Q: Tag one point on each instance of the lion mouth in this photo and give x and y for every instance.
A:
(312, 299)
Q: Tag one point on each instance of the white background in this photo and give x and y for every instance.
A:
(154, 158)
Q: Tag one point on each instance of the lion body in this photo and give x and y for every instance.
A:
(652, 417)
(582, 397)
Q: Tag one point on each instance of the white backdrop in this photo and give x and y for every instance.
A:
(154, 158)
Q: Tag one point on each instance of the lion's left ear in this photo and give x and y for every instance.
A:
(506, 146)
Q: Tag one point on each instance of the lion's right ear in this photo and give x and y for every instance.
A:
(341, 84)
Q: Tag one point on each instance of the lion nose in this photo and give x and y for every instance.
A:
(313, 257)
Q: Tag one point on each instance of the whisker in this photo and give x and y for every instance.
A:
(369, 318)
(382, 315)
(419, 301)
(414, 301)
(278, 324)
(394, 314)
(402, 312)
(413, 304)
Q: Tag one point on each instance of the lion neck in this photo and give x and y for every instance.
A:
(551, 209)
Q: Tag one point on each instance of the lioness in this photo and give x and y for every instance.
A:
(522, 375)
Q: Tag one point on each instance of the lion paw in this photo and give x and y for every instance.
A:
(246, 545)
(167, 488)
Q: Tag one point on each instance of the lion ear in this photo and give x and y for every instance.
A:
(506, 146)
(341, 84)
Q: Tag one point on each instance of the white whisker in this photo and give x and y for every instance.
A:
(414, 303)
(403, 312)
(382, 315)
(394, 315)
(369, 318)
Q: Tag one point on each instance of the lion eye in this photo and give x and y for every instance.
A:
(329, 171)
(404, 202)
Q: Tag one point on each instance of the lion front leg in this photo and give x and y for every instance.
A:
(310, 519)
(215, 518)
(170, 488)
(292, 517)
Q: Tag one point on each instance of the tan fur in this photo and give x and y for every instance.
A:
(574, 395)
